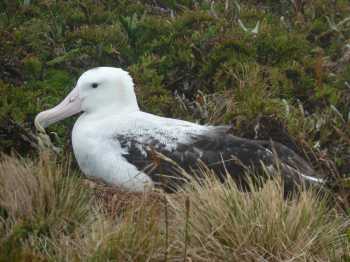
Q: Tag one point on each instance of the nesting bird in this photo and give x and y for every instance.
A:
(115, 141)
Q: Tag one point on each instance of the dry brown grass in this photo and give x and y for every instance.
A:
(42, 190)
(48, 214)
(258, 226)
(38, 201)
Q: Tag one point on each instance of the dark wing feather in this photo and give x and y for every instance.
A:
(221, 152)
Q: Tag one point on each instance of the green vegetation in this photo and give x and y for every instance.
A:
(273, 69)
(282, 62)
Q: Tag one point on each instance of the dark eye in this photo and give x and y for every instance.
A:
(94, 85)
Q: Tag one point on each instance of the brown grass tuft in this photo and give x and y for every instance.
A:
(46, 213)
(257, 226)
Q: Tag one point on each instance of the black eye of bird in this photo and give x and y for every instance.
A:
(94, 85)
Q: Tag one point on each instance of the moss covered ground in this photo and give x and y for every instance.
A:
(273, 69)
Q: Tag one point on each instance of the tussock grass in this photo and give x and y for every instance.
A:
(42, 191)
(38, 201)
(49, 213)
(261, 225)
(133, 235)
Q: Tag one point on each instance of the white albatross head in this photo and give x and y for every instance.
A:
(99, 90)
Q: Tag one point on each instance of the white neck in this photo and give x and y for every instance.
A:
(114, 109)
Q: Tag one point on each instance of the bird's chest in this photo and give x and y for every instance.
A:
(88, 145)
(83, 150)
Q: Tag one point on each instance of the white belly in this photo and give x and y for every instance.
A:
(100, 156)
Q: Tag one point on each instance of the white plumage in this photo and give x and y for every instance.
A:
(113, 140)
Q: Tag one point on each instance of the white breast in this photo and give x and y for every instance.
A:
(101, 157)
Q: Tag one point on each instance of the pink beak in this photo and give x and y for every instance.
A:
(71, 105)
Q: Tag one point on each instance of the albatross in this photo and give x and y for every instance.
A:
(115, 141)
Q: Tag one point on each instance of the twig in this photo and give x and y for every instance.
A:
(166, 228)
(187, 206)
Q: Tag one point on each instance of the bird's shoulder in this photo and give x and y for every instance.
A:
(146, 130)
(178, 137)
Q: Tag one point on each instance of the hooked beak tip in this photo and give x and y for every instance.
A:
(38, 124)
